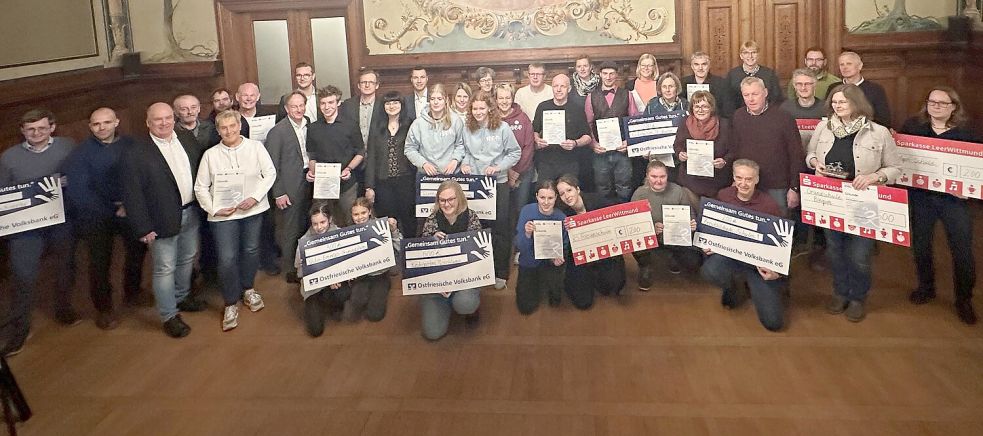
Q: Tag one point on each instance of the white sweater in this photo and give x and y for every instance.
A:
(251, 160)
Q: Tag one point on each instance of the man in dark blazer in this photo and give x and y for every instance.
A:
(365, 111)
(291, 191)
(158, 195)
(304, 78)
(417, 102)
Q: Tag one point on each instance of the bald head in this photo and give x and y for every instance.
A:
(561, 89)
(247, 95)
(160, 120)
(103, 124)
(187, 108)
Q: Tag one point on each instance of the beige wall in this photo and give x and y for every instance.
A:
(52, 42)
(858, 11)
(194, 31)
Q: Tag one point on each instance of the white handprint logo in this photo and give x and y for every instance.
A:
(488, 186)
(49, 185)
(784, 230)
(483, 239)
(381, 228)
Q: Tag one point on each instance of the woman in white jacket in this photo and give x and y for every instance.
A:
(490, 149)
(233, 180)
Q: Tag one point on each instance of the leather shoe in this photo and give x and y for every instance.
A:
(921, 296)
(855, 311)
(965, 311)
(67, 317)
(291, 277)
(176, 328)
(139, 299)
(107, 321)
(191, 304)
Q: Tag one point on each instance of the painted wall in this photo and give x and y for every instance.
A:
(859, 11)
(195, 37)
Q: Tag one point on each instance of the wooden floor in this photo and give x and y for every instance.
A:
(670, 361)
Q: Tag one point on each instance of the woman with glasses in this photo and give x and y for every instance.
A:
(643, 87)
(851, 146)
(486, 79)
(751, 68)
(704, 124)
(943, 117)
(450, 215)
(390, 178)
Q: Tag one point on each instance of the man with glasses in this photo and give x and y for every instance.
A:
(815, 61)
(416, 103)
(850, 67)
(304, 78)
(805, 105)
(701, 78)
(751, 68)
(365, 111)
(530, 96)
(40, 155)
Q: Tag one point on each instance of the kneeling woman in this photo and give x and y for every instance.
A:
(329, 299)
(370, 292)
(538, 276)
(606, 276)
(450, 215)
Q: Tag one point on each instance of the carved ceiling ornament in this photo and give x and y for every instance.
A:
(423, 21)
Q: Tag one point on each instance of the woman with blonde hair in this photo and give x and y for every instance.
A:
(462, 100)
(643, 87)
(435, 142)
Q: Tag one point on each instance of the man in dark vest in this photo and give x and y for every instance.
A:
(612, 169)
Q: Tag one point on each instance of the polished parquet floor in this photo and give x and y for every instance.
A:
(667, 362)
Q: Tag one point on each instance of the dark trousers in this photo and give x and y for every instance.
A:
(534, 282)
(26, 250)
(268, 250)
(319, 305)
(551, 168)
(604, 276)
(927, 208)
(291, 224)
(688, 258)
(371, 295)
(502, 233)
(765, 294)
(396, 197)
(100, 236)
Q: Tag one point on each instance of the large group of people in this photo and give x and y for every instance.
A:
(167, 192)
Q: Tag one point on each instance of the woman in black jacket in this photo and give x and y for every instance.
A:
(390, 178)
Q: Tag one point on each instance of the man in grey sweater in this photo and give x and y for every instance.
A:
(40, 155)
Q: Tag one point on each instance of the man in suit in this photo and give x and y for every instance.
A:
(304, 78)
(287, 144)
(364, 111)
(249, 108)
(417, 102)
(158, 195)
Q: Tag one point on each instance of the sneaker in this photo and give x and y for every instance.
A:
(230, 319)
(516, 260)
(964, 309)
(176, 328)
(855, 311)
(12, 350)
(107, 320)
(191, 304)
(292, 278)
(253, 300)
(836, 305)
(921, 296)
(644, 278)
(67, 317)
(674, 268)
(500, 283)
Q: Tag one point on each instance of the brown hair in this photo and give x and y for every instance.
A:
(959, 115)
(494, 116)
(35, 115)
(706, 96)
(462, 200)
(858, 101)
(364, 202)
(655, 163)
(328, 91)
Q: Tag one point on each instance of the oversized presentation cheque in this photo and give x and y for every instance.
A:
(345, 254)
(31, 205)
(479, 190)
(941, 165)
(457, 262)
(878, 212)
(742, 234)
(611, 231)
(653, 134)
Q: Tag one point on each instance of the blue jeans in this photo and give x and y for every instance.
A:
(765, 294)
(612, 173)
(237, 245)
(435, 310)
(849, 260)
(174, 259)
(26, 249)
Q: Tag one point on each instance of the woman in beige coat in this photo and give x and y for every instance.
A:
(853, 147)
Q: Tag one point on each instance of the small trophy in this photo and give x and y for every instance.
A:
(835, 169)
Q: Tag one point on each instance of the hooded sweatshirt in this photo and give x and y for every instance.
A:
(487, 147)
(521, 127)
(428, 141)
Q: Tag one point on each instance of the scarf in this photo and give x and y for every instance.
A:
(703, 130)
(842, 130)
(669, 107)
(586, 87)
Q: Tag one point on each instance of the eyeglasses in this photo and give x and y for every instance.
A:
(486, 80)
(37, 129)
(839, 102)
(701, 107)
(303, 76)
(937, 103)
(447, 200)
(533, 75)
(748, 52)
(366, 82)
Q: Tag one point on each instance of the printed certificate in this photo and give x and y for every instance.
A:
(699, 158)
(611, 231)
(878, 212)
(259, 127)
(327, 181)
(547, 239)
(554, 126)
(609, 133)
(676, 229)
(228, 190)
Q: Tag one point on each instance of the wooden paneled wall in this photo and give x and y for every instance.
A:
(72, 96)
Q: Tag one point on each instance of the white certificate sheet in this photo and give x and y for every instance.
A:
(699, 161)
(259, 127)
(327, 181)
(547, 239)
(554, 126)
(228, 190)
(676, 220)
(693, 87)
(609, 133)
